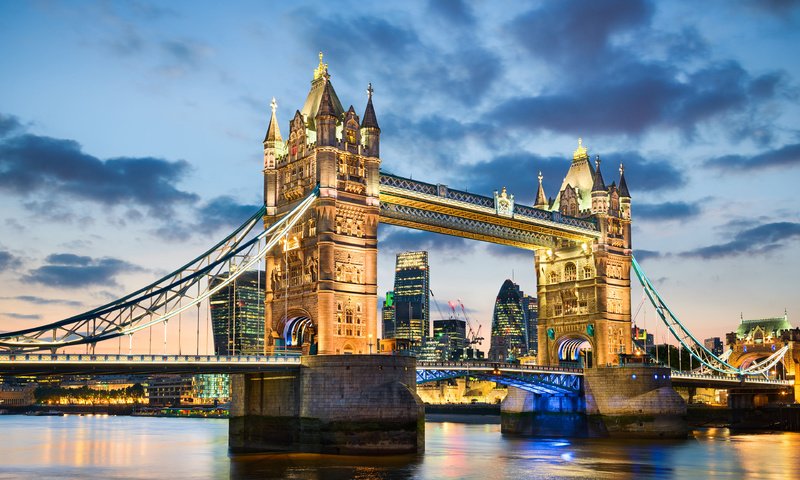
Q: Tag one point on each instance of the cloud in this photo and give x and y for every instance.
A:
(397, 239)
(520, 170)
(22, 316)
(44, 301)
(453, 11)
(32, 164)
(74, 271)
(575, 33)
(644, 255)
(616, 74)
(758, 240)
(9, 124)
(8, 261)
(658, 212)
(185, 52)
(637, 98)
(219, 213)
(786, 156)
(514, 253)
(415, 66)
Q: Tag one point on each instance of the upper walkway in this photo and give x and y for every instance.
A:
(433, 371)
(437, 208)
(103, 364)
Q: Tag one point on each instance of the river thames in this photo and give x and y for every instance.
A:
(109, 447)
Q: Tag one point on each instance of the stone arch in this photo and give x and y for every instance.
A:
(297, 329)
(574, 350)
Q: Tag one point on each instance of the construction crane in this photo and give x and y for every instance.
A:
(474, 335)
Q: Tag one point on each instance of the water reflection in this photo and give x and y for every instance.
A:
(177, 448)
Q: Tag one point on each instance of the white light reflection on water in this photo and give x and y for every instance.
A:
(178, 448)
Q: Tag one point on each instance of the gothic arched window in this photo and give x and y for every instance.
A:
(570, 272)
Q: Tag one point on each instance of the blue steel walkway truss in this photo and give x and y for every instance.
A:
(532, 378)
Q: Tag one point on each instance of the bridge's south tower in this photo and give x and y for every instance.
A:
(321, 293)
(584, 289)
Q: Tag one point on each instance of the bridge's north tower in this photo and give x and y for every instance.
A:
(584, 288)
(321, 293)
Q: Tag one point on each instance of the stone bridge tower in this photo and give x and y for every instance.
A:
(584, 289)
(321, 293)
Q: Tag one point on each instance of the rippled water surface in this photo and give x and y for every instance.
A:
(102, 447)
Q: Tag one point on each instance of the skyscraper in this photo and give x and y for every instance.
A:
(412, 297)
(508, 325)
(388, 315)
(237, 315)
(530, 307)
(450, 336)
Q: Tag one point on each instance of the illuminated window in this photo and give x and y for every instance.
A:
(587, 272)
(570, 273)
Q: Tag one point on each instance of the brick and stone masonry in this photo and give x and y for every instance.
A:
(338, 404)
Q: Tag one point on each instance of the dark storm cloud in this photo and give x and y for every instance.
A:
(73, 271)
(397, 239)
(658, 212)
(762, 239)
(644, 255)
(455, 11)
(786, 156)
(32, 164)
(44, 301)
(8, 261)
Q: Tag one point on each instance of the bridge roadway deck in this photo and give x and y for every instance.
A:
(106, 364)
(679, 379)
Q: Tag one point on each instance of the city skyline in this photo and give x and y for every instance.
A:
(137, 143)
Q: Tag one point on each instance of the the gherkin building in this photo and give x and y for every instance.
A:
(508, 325)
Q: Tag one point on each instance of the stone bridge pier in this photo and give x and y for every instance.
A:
(336, 404)
(630, 401)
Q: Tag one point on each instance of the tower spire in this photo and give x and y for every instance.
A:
(273, 130)
(623, 185)
(541, 198)
(322, 68)
(370, 120)
(580, 153)
(598, 185)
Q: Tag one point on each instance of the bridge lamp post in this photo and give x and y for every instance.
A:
(370, 343)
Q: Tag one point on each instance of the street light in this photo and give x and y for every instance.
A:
(370, 343)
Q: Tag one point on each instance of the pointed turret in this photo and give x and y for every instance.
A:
(273, 142)
(370, 131)
(273, 130)
(597, 182)
(370, 120)
(623, 185)
(599, 190)
(326, 117)
(624, 195)
(541, 199)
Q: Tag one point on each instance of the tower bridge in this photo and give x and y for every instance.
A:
(324, 196)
